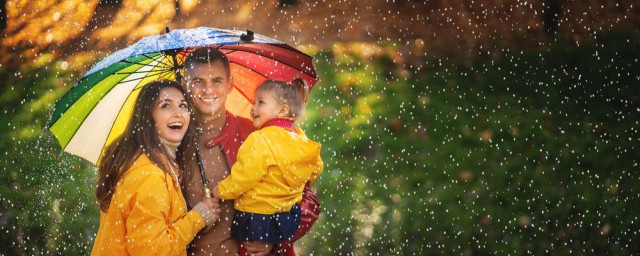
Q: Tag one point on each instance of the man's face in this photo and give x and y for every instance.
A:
(208, 86)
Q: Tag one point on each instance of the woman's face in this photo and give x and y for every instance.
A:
(171, 115)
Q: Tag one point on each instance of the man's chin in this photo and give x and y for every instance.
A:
(207, 108)
(208, 112)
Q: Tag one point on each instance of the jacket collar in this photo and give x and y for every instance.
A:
(286, 123)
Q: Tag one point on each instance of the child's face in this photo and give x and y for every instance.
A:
(266, 107)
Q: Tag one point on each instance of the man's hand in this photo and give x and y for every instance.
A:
(258, 248)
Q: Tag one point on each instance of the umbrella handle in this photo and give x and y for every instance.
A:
(205, 183)
(207, 192)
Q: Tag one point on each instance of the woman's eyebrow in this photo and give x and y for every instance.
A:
(165, 99)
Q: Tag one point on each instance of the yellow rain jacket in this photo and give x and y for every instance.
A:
(147, 215)
(271, 170)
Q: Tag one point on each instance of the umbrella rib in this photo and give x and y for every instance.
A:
(162, 64)
(140, 78)
(153, 57)
(152, 72)
(182, 55)
(165, 75)
(183, 58)
(149, 57)
(239, 50)
(135, 63)
(142, 72)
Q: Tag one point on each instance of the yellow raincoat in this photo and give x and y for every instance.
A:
(147, 215)
(271, 170)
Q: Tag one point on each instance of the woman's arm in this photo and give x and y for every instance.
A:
(146, 224)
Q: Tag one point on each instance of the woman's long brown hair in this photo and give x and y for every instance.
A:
(139, 137)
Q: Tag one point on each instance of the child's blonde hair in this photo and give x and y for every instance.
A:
(293, 94)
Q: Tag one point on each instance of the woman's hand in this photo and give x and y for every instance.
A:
(209, 209)
(214, 205)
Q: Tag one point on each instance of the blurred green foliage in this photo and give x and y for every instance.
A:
(46, 197)
(518, 152)
(532, 152)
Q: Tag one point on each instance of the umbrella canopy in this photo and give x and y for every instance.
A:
(96, 110)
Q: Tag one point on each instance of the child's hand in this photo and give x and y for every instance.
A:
(214, 193)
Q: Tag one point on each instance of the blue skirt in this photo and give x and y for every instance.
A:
(267, 228)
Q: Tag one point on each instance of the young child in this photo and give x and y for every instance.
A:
(273, 165)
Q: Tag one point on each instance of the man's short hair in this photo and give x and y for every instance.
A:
(206, 55)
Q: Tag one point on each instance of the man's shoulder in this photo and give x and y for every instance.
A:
(243, 124)
(240, 120)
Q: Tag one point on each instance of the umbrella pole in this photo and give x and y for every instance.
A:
(176, 69)
(205, 182)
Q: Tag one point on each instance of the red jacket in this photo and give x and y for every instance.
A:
(234, 132)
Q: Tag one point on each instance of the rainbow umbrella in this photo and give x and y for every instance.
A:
(96, 110)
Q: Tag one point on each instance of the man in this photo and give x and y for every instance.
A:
(220, 134)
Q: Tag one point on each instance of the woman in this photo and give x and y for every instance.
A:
(143, 211)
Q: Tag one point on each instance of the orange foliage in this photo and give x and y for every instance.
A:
(136, 19)
(463, 27)
(36, 25)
